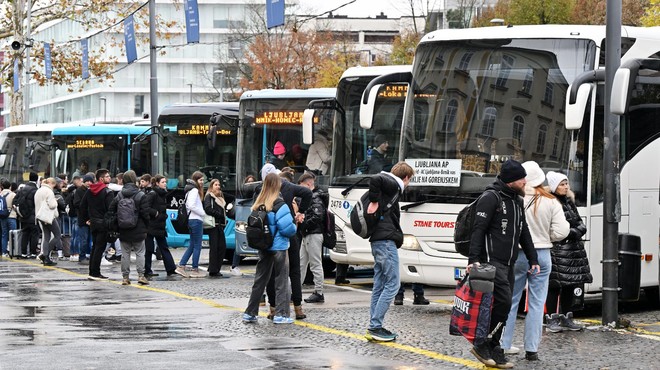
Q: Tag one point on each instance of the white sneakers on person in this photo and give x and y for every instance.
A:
(235, 271)
(105, 262)
(512, 351)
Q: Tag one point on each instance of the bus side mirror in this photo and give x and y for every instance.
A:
(621, 89)
(211, 137)
(308, 126)
(368, 106)
(575, 111)
(136, 148)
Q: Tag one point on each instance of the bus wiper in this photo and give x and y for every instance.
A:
(348, 189)
(434, 197)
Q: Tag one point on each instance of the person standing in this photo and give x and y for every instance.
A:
(311, 228)
(132, 239)
(385, 188)
(214, 205)
(194, 191)
(547, 224)
(318, 157)
(24, 201)
(280, 152)
(274, 261)
(418, 292)
(93, 209)
(82, 241)
(157, 204)
(51, 238)
(570, 265)
(9, 223)
(499, 226)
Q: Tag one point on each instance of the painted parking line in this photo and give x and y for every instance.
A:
(346, 334)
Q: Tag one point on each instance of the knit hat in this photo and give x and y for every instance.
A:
(267, 169)
(380, 138)
(279, 148)
(554, 178)
(89, 178)
(33, 176)
(129, 177)
(511, 171)
(535, 175)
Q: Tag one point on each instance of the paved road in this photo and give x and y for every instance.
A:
(56, 318)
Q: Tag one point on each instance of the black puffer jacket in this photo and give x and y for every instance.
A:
(314, 222)
(499, 226)
(212, 208)
(139, 232)
(94, 206)
(382, 189)
(570, 265)
(157, 204)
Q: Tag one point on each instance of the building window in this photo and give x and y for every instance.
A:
(527, 84)
(505, 70)
(464, 64)
(450, 116)
(488, 127)
(549, 93)
(518, 128)
(555, 143)
(540, 141)
(139, 105)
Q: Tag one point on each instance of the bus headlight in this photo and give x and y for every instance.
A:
(410, 243)
(340, 234)
(240, 226)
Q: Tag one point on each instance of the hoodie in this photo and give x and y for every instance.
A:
(193, 202)
(94, 205)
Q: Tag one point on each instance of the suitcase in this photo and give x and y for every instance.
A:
(14, 243)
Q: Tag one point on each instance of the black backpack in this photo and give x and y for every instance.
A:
(182, 214)
(329, 234)
(127, 210)
(4, 210)
(22, 203)
(464, 223)
(258, 233)
(362, 223)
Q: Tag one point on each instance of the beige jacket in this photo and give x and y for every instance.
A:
(45, 195)
(545, 219)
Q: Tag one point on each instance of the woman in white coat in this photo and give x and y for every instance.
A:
(547, 224)
(46, 214)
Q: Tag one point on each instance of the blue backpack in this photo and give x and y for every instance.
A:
(4, 210)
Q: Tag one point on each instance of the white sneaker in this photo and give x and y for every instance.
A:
(74, 258)
(512, 351)
(235, 271)
(105, 262)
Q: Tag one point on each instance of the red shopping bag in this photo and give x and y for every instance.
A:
(470, 316)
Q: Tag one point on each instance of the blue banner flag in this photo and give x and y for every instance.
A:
(274, 13)
(192, 21)
(17, 80)
(84, 44)
(129, 39)
(48, 62)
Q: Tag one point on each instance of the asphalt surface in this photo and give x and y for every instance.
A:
(56, 318)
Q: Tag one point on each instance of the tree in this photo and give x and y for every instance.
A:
(594, 12)
(403, 49)
(540, 12)
(498, 11)
(90, 15)
(652, 14)
(343, 56)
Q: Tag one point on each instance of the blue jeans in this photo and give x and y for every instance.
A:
(82, 241)
(537, 290)
(386, 280)
(75, 247)
(195, 247)
(7, 224)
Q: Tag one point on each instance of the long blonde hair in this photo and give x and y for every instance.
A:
(269, 192)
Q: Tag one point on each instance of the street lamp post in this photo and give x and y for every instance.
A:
(105, 110)
(222, 82)
(190, 92)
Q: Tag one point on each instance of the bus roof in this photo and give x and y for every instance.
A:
(596, 33)
(41, 127)
(319, 93)
(375, 71)
(106, 129)
(224, 108)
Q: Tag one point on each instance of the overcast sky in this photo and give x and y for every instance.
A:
(359, 8)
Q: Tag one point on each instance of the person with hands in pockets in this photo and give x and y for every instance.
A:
(499, 226)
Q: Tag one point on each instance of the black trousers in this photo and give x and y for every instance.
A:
(502, 293)
(294, 275)
(99, 242)
(150, 247)
(217, 248)
(29, 234)
(571, 299)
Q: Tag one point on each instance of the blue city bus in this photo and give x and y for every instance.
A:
(198, 137)
(266, 117)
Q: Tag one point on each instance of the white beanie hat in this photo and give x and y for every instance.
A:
(535, 175)
(268, 168)
(554, 178)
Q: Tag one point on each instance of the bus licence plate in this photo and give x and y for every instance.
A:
(459, 273)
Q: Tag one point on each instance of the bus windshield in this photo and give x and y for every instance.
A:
(477, 103)
(23, 152)
(357, 153)
(87, 152)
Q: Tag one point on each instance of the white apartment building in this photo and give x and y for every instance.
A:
(186, 72)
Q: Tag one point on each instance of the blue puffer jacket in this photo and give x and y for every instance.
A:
(281, 221)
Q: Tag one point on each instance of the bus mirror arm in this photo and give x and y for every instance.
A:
(348, 189)
(585, 77)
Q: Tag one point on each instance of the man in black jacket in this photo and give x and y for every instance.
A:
(385, 189)
(499, 226)
(93, 209)
(24, 200)
(311, 228)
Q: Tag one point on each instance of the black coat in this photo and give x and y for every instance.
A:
(74, 207)
(499, 226)
(157, 205)
(214, 209)
(94, 206)
(570, 265)
(382, 189)
(290, 192)
(314, 222)
(139, 232)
